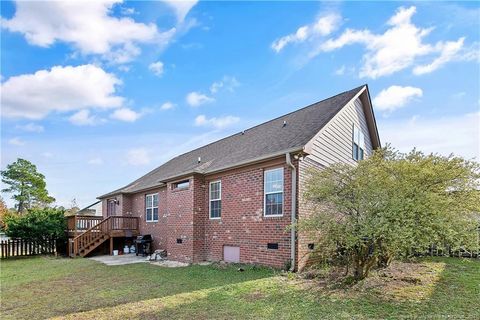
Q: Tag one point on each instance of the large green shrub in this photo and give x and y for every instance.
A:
(37, 224)
(391, 205)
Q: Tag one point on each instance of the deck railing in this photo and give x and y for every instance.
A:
(81, 223)
(100, 230)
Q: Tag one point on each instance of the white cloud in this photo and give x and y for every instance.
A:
(181, 8)
(138, 157)
(196, 99)
(395, 97)
(323, 26)
(344, 70)
(95, 161)
(455, 134)
(88, 25)
(459, 95)
(340, 71)
(83, 118)
(31, 127)
(398, 48)
(448, 51)
(128, 11)
(217, 123)
(156, 68)
(60, 89)
(228, 83)
(167, 106)
(16, 142)
(125, 114)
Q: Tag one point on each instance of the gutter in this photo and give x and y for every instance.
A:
(293, 210)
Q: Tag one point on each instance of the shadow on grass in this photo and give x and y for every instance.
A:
(456, 294)
(211, 292)
(39, 288)
(283, 298)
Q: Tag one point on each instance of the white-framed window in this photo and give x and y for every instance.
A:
(215, 199)
(151, 207)
(273, 192)
(358, 144)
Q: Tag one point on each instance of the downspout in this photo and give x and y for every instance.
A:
(293, 211)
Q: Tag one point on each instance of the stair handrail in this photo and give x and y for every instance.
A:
(87, 237)
(104, 227)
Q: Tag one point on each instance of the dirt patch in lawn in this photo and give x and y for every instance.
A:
(400, 281)
(254, 296)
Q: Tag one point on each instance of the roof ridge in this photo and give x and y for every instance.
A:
(271, 120)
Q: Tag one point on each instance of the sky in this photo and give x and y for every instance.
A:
(97, 93)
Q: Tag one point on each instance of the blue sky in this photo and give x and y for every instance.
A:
(98, 93)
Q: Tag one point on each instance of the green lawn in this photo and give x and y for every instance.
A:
(38, 288)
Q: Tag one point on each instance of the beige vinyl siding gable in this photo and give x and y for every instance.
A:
(333, 144)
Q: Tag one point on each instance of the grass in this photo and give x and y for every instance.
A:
(38, 288)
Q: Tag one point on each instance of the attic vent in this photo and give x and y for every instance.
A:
(273, 246)
(284, 123)
(199, 159)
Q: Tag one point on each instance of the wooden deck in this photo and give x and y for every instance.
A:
(88, 232)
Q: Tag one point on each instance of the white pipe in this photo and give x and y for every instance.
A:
(293, 210)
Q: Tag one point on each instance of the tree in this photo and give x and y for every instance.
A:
(391, 205)
(37, 224)
(26, 184)
(3, 213)
(73, 209)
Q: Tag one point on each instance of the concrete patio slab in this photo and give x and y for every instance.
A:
(119, 260)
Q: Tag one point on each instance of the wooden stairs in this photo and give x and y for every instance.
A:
(113, 226)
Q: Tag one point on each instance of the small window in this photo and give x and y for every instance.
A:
(215, 194)
(358, 144)
(179, 240)
(151, 207)
(273, 192)
(181, 185)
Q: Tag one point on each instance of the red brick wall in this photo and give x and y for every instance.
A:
(180, 223)
(183, 214)
(200, 218)
(243, 223)
(158, 230)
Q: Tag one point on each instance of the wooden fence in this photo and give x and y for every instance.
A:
(22, 247)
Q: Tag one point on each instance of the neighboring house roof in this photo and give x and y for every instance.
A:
(88, 209)
(263, 141)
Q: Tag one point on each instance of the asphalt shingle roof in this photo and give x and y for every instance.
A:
(269, 138)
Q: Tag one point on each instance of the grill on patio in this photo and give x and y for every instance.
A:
(144, 244)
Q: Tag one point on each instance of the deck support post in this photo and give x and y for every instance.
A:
(111, 245)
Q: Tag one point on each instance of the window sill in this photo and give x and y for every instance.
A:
(273, 216)
(151, 221)
(219, 218)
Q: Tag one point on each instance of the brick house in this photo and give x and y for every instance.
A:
(234, 199)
